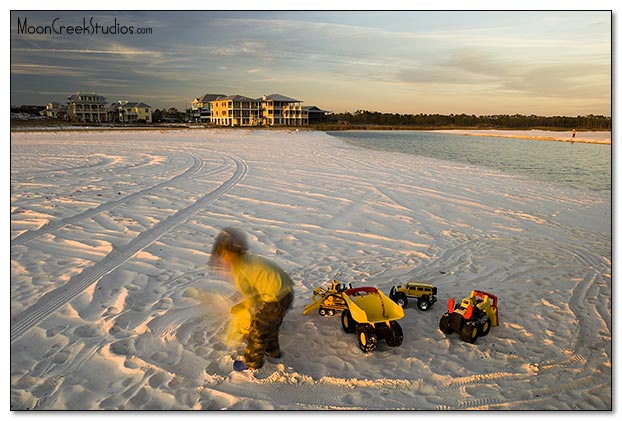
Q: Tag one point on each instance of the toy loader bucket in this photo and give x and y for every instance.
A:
(494, 316)
(309, 308)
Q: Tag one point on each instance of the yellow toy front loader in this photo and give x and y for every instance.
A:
(473, 317)
(327, 301)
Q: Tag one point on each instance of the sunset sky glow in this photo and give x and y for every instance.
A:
(473, 62)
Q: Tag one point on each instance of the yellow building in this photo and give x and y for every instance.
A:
(235, 110)
(201, 107)
(86, 108)
(269, 110)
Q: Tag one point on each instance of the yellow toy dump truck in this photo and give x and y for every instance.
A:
(473, 317)
(371, 315)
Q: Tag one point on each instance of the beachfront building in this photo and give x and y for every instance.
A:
(235, 110)
(130, 112)
(52, 110)
(269, 110)
(279, 110)
(86, 108)
(201, 111)
(316, 114)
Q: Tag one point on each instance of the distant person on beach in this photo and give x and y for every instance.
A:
(267, 289)
(574, 132)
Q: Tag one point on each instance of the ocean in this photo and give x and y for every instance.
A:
(579, 165)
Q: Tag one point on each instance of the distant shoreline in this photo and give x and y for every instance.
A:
(600, 137)
(592, 137)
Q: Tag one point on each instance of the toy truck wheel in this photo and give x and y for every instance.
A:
(347, 322)
(395, 336)
(322, 311)
(469, 333)
(444, 324)
(484, 326)
(367, 337)
(423, 303)
(400, 298)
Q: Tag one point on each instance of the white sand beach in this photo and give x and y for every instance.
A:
(113, 307)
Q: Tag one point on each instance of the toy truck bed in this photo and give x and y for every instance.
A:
(370, 305)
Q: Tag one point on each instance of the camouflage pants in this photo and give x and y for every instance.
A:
(263, 336)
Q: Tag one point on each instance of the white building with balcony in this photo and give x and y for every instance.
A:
(86, 108)
(279, 110)
(129, 112)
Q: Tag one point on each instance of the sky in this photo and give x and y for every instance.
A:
(409, 62)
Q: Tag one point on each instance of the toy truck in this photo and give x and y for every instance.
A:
(424, 293)
(371, 315)
(472, 318)
(329, 300)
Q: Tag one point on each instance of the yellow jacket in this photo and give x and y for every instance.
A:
(259, 279)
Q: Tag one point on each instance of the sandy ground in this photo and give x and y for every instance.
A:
(112, 305)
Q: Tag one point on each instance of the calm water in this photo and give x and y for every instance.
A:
(579, 165)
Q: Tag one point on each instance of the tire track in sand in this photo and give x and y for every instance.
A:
(583, 356)
(52, 226)
(52, 301)
(103, 162)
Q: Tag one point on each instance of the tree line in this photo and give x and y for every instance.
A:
(158, 116)
(375, 118)
(501, 121)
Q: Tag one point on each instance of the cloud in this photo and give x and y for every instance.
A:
(403, 54)
(44, 69)
(480, 62)
(572, 85)
(242, 48)
(55, 51)
(565, 80)
(462, 67)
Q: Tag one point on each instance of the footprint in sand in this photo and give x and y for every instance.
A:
(159, 379)
(61, 357)
(87, 331)
(123, 347)
(162, 306)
